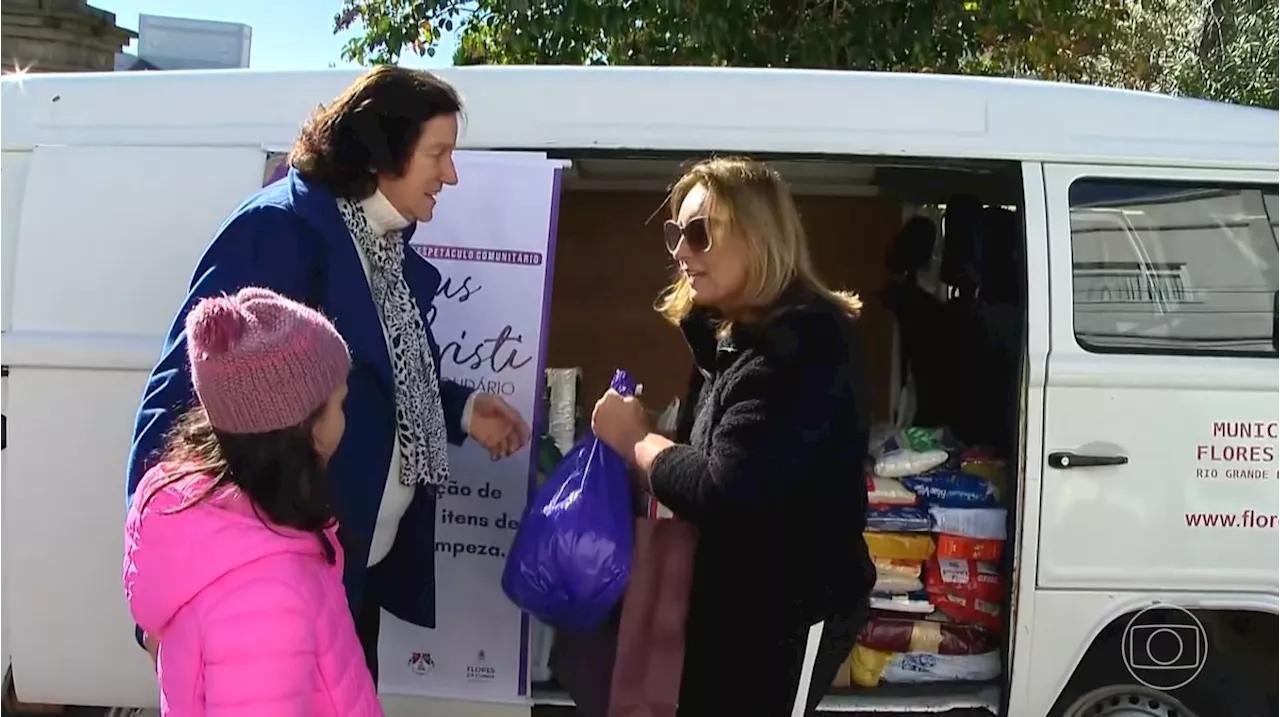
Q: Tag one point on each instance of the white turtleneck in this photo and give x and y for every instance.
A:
(396, 496)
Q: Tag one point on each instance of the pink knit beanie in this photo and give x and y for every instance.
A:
(261, 362)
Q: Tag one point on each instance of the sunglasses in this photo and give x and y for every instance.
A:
(695, 234)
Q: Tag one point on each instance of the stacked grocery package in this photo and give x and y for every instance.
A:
(936, 532)
(559, 429)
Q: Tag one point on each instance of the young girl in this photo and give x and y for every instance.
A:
(231, 556)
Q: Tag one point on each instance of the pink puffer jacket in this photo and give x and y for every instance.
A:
(251, 619)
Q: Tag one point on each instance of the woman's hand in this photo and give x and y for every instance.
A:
(621, 422)
(497, 426)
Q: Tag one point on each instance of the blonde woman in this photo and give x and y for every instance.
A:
(768, 461)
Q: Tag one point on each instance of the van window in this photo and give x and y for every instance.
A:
(1174, 268)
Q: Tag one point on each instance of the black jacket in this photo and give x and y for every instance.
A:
(773, 438)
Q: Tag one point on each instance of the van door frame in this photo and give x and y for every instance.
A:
(1030, 465)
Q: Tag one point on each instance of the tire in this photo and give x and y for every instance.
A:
(1102, 685)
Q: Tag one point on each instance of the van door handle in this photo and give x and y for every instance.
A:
(1065, 460)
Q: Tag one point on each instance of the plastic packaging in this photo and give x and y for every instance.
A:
(896, 584)
(968, 609)
(898, 568)
(914, 603)
(891, 634)
(964, 577)
(570, 560)
(967, 591)
(981, 523)
(899, 463)
(868, 667)
(992, 469)
(563, 387)
(958, 547)
(899, 519)
(888, 491)
(899, 546)
(952, 490)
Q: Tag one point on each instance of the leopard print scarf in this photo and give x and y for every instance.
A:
(420, 425)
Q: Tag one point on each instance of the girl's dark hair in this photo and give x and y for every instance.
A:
(280, 471)
(371, 128)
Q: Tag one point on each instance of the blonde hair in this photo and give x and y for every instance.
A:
(749, 202)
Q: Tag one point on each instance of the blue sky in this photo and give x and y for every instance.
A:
(287, 34)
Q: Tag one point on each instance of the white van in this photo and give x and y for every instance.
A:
(1134, 236)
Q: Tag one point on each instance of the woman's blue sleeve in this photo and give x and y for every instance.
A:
(263, 246)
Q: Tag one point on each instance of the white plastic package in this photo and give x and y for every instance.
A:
(979, 523)
(897, 464)
(919, 667)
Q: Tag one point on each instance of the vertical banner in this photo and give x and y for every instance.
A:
(492, 238)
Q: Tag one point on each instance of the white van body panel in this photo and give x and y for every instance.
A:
(680, 109)
(14, 167)
(82, 337)
(182, 149)
(1066, 622)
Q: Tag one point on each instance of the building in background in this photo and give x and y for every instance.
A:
(59, 36)
(175, 43)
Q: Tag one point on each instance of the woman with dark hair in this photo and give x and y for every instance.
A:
(333, 234)
(231, 548)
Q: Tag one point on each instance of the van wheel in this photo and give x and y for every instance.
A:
(1126, 701)
(1103, 687)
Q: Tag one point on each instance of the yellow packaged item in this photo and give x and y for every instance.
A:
(868, 665)
(993, 470)
(891, 567)
(899, 546)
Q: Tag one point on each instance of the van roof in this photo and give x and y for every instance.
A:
(685, 109)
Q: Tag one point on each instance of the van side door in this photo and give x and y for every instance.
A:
(1160, 412)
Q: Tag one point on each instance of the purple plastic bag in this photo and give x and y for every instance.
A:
(571, 557)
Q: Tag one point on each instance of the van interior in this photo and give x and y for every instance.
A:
(935, 250)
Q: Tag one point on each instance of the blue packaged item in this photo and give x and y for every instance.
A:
(952, 490)
(899, 519)
(571, 557)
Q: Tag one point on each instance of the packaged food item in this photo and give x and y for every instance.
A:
(868, 667)
(897, 576)
(952, 490)
(898, 519)
(968, 609)
(964, 577)
(899, 546)
(895, 568)
(563, 414)
(882, 437)
(913, 603)
(967, 591)
(958, 547)
(896, 584)
(904, 462)
(919, 438)
(982, 523)
(888, 491)
(983, 466)
(895, 634)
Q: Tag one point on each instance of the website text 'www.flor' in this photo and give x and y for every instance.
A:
(1243, 519)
